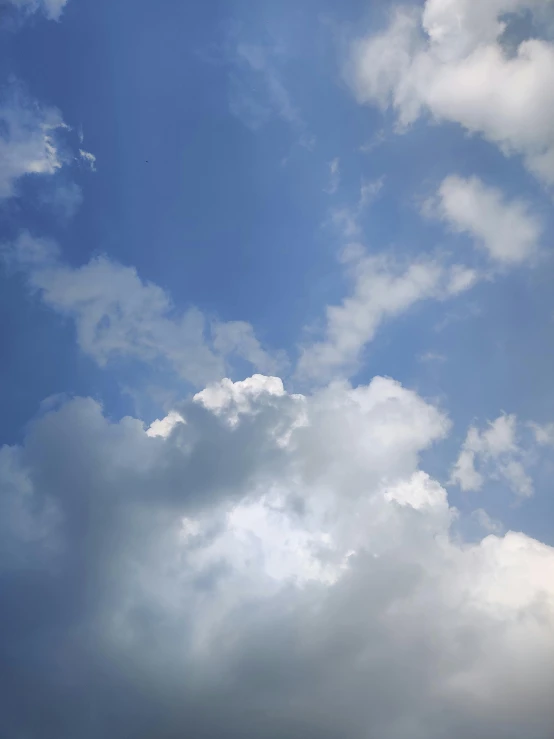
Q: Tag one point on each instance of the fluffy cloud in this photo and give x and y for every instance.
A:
(499, 455)
(507, 230)
(383, 289)
(449, 59)
(28, 143)
(116, 314)
(270, 562)
(52, 9)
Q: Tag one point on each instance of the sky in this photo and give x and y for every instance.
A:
(276, 339)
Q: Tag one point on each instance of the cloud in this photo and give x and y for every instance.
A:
(432, 357)
(63, 198)
(257, 91)
(488, 524)
(334, 176)
(52, 9)
(238, 338)
(275, 563)
(447, 59)
(498, 455)
(88, 159)
(164, 426)
(507, 230)
(116, 314)
(544, 433)
(28, 139)
(347, 219)
(382, 289)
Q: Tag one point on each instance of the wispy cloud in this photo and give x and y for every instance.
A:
(334, 177)
(52, 9)
(257, 91)
(117, 314)
(347, 219)
(29, 143)
(382, 289)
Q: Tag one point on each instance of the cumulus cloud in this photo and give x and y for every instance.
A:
(268, 563)
(507, 230)
(382, 289)
(116, 314)
(498, 455)
(447, 59)
(28, 139)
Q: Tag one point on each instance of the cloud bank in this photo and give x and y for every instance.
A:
(268, 562)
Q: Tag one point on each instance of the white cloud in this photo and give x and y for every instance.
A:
(447, 59)
(432, 357)
(88, 158)
(164, 426)
(52, 9)
(347, 219)
(369, 191)
(507, 230)
(275, 564)
(234, 399)
(28, 144)
(63, 198)
(257, 91)
(334, 176)
(237, 338)
(382, 290)
(498, 455)
(116, 314)
(544, 434)
(488, 524)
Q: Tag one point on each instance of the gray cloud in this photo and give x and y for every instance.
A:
(272, 564)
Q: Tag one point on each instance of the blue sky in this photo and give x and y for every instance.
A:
(355, 198)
